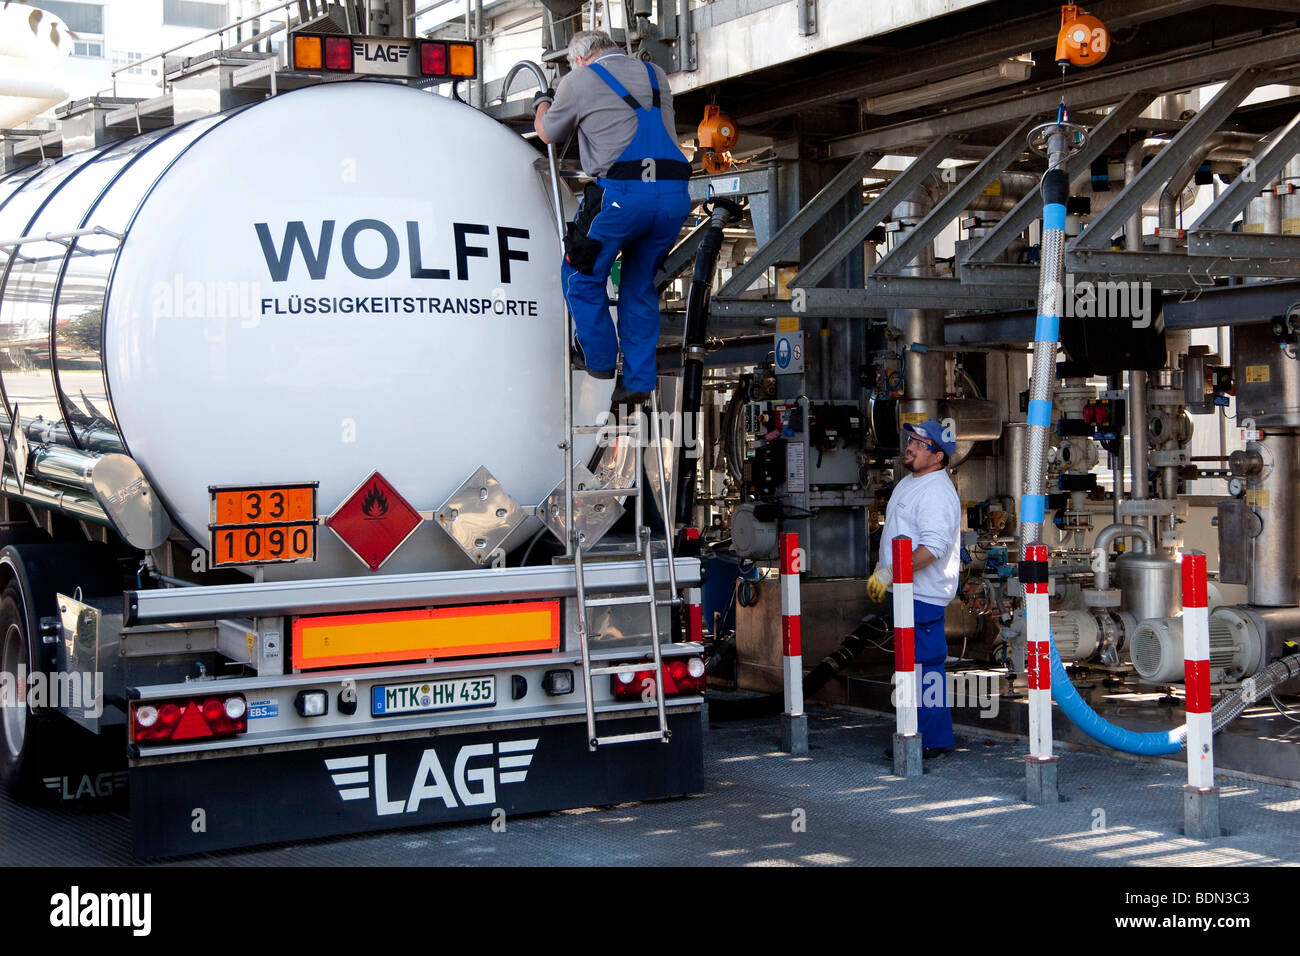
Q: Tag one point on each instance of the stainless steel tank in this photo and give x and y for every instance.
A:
(1150, 585)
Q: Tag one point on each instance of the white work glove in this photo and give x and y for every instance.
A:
(879, 583)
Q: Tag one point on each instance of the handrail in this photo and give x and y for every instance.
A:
(220, 31)
(58, 236)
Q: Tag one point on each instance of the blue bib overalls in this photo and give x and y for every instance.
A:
(636, 208)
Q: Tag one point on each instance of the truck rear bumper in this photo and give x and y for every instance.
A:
(185, 806)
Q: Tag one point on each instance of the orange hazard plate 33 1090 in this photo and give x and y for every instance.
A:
(425, 634)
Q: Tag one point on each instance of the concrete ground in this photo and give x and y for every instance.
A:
(839, 804)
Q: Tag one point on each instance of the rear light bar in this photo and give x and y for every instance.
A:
(681, 676)
(205, 717)
(384, 56)
(448, 59)
(331, 53)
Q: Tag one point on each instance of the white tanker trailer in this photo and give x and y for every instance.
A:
(282, 394)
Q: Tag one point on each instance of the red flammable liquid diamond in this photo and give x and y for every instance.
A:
(374, 521)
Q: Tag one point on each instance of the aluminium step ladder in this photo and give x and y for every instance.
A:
(644, 545)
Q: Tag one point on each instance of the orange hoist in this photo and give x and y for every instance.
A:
(717, 134)
(1082, 40)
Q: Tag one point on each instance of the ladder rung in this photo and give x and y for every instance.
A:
(605, 492)
(597, 429)
(630, 738)
(611, 601)
(620, 668)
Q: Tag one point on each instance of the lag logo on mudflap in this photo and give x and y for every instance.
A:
(101, 785)
(360, 777)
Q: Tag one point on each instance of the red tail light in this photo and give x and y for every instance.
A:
(199, 718)
(681, 676)
(338, 53)
(433, 58)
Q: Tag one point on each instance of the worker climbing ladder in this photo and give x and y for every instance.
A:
(635, 428)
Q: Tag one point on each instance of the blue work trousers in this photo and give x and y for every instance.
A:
(642, 220)
(935, 720)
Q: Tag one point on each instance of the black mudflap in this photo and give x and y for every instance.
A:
(217, 804)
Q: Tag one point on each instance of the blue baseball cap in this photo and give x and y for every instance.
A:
(935, 434)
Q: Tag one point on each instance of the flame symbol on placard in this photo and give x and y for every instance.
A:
(375, 503)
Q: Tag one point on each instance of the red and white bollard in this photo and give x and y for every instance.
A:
(1200, 795)
(694, 597)
(794, 722)
(1040, 764)
(907, 738)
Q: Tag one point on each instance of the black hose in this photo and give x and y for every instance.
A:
(693, 338)
(870, 629)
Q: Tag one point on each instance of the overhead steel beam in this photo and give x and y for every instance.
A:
(948, 58)
(1244, 188)
(1273, 255)
(956, 200)
(1172, 270)
(990, 329)
(1165, 163)
(1233, 305)
(1030, 208)
(853, 235)
(1198, 70)
(848, 178)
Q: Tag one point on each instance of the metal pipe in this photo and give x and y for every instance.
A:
(1101, 549)
(1139, 449)
(1240, 143)
(923, 372)
(1275, 552)
(1132, 166)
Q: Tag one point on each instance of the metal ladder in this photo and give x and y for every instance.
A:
(573, 545)
(650, 598)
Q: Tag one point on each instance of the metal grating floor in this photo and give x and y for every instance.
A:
(838, 805)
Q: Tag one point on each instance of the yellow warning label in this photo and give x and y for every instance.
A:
(1257, 373)
(912, 418)
(787, 323)
(251, 638)
(993, 189)
(1257, 499)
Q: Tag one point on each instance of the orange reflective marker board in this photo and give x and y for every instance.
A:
(273, 504)
(426, 634)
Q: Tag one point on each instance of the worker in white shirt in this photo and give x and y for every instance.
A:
(925, 508)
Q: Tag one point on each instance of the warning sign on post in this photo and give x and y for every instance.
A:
(789, 353)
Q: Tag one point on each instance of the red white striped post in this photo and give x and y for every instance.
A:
(1200, 795)
(1196, 671)
(694, 609)
(906, 685)
(794, 722)
(1040, 764)
(791, 642)
(1038, 658)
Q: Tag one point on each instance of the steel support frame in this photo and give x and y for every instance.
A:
(1165, 163)
(785, 238)
(1028, 209)
(853, 235)
(1282, 48)
(993, 165)
(1242, 190)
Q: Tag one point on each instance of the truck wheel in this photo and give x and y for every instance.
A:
(22, 731)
